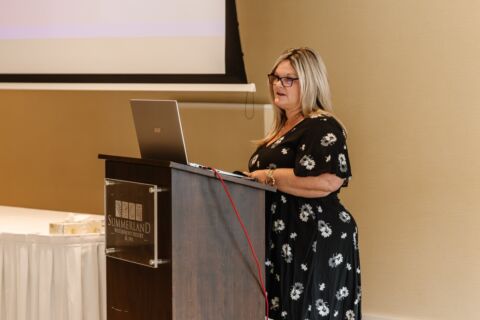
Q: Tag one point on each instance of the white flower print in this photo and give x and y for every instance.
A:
(355, 243)
(335, 260)
(321, 286)
(319, 209)
(309, 307)
(344, 235)
(278, 225)
(276, 143)
(344, 216)
(335, 313)
(307, 162)
(314, 246)
(293, 235)
(328, 140)
(277, 277)
(342, 293)
(357, 299)
(304, 267)
(284, 151)
(328, 158)
(268, 263)
(273, 207)
(274, 304)
(342, 162)
(350, 315)
(349, 266)
(305, 212)
(297, 290)
(324, 229)
(284, 314)
(322, 307)
(283, 199)
(358, 270)
(254, 159)
(287, 253)
(302, 147)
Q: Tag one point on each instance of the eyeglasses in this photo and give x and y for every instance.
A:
(286, 81)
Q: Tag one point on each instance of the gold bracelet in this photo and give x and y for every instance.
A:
(270, 178)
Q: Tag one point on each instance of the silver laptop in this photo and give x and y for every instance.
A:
(160, 134)
(159, 130)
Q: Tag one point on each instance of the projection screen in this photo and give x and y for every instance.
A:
(120, 41)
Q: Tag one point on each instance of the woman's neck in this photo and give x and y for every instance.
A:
(293, 119)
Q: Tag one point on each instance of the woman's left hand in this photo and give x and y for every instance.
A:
(258, 175)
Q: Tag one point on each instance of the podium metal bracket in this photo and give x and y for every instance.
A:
(158, 189)
(112, 250)
(159, 261)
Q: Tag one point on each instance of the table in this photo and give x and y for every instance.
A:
(49, 277)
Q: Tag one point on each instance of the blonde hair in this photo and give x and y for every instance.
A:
(314, 88)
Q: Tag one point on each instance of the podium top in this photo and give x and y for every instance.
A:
(187, 168)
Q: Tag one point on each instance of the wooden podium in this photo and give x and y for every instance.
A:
(203, 268)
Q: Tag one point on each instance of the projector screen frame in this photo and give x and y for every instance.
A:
(234, 66)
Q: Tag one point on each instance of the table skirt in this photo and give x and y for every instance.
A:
(52, 277)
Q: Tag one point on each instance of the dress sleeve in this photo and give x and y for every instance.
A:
(322, 149)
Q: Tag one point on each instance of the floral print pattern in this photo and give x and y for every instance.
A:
(278, 225)
(274, 303)
(342, 293)
(350, 315)
(328, 140)
(322, 308)
(287, 253)
(344, 216)
(296, 291)
(312, 259)
(276, 143)
(307, 162)
(324, 229)
(306, 212)
(342, 162)
(335, 260)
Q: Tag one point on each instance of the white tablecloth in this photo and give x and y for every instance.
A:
(49, 277)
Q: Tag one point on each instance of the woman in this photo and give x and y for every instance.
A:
(312, 258)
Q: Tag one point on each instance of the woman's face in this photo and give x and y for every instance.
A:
(284, 97)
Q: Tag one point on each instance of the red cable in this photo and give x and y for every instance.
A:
(252, 250)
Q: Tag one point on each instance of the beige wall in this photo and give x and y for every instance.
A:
(404, 76)
(406, 79)
(49, 142)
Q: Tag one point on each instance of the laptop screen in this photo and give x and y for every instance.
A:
(159, 130)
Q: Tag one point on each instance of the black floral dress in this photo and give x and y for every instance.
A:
(312, 258)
